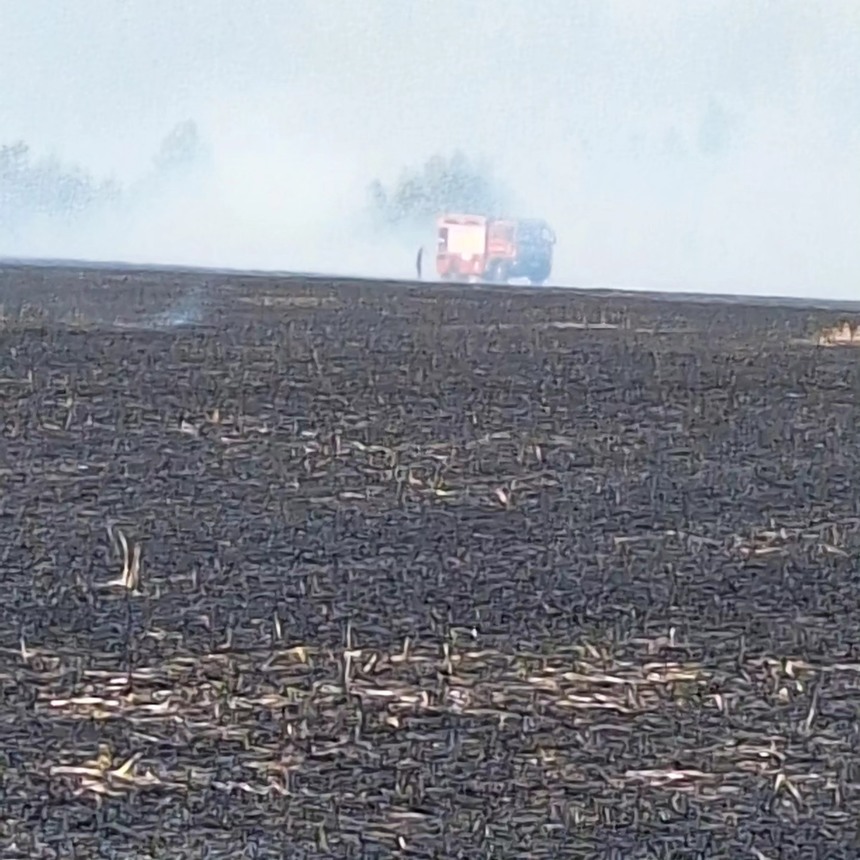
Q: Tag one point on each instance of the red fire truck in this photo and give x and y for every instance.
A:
(495, 250)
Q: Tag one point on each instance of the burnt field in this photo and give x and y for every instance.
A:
(318, 569)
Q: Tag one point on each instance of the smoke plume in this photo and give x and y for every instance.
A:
(707, 146)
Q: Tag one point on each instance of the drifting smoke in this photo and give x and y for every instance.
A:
(709, 145)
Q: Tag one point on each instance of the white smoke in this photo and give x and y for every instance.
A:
(708, 146)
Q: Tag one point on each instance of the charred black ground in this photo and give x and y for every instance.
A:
(425, 572)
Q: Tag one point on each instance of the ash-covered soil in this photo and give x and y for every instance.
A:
(422, 572)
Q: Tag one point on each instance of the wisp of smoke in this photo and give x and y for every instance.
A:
(699, 146)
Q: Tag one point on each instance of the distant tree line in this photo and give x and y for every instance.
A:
(452, 183)
(36, 187)
(32, 187)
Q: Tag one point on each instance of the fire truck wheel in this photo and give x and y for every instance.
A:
(539, 275)
(498, 273)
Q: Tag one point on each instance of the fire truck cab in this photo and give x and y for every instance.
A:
(519, 248)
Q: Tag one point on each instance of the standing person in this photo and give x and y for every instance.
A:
(418, 260)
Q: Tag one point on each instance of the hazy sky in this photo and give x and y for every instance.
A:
(704, 144)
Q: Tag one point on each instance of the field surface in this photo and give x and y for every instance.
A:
(300, 568)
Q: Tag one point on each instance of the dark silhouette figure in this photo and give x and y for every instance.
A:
(418, 260)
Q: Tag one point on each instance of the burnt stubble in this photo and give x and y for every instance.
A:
(316, 569)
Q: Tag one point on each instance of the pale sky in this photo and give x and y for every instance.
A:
(708, 145)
